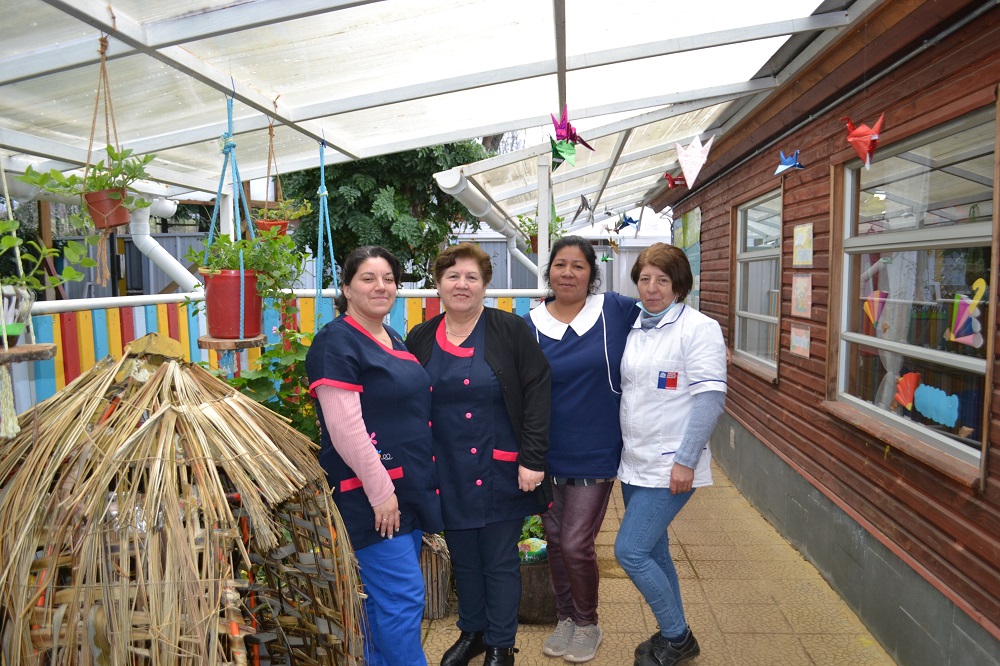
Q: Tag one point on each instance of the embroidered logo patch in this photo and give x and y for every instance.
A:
(667, 380)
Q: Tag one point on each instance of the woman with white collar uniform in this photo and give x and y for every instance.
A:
(673, 391)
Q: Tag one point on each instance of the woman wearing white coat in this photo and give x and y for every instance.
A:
(673, 391)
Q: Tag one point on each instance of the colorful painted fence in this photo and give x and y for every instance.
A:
(83, 337)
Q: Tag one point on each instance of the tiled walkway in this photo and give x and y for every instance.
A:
(750, 598)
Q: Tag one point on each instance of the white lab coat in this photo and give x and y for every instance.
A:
(662, 369)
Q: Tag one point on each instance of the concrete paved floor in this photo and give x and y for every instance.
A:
(749, 597)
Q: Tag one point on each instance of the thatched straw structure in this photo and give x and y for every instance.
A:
(150, 514)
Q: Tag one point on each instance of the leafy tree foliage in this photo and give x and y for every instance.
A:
(391, 200)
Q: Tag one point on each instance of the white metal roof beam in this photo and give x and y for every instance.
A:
(616, 154)
(574, 196)
(559, 10)
(132, 33)
(170, 32)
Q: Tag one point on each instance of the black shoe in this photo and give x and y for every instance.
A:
(500, 656)
(468, 645)
(665, 653)
(646, 647)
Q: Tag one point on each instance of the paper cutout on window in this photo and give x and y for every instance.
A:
(673, 181)
(864, 139)
(936, 405)
(693, 158)
(790, 162)
(905, 388)
(965, 327)
(874, 304)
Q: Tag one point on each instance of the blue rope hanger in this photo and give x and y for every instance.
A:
(324, 229)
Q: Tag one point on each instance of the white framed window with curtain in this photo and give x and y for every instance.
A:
(915, 316)
(758, 281)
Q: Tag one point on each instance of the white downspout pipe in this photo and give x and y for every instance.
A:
(454, 183)
(139, 228)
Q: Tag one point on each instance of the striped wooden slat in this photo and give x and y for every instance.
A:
(152, 320)
(139, 321)
(169, 311)
(432, 308)
(408, 314)
(522, 305)
(70, 345)
(127, 325)
(324, 313)
(505, 304)
(44, 371)
(184, 329)
(100, 334)
(115, 347)
(85, 336)
(307, 315)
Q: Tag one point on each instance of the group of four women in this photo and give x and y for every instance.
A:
(482, 417)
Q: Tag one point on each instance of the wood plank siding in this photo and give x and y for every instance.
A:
(930, 507)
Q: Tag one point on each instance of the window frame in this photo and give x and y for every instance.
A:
(923, 443)
(763, 367)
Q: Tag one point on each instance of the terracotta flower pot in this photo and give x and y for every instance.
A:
(266, 225)
(107, 211)
(222, 305)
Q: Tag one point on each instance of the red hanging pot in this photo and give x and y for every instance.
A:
(222, 304)
(267, 225)
(105, 210)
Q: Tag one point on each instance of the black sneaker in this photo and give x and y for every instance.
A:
(665, 653)
(646, 646)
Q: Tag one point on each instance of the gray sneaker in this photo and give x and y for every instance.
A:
(583, 647)
(558, 642)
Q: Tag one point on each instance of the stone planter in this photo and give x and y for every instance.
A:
(538, 603)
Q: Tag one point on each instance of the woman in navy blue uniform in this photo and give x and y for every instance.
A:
(582, 334)
(491, 426)
(376, 447)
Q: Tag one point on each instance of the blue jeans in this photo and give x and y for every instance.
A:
(643, 551)
(390, 572)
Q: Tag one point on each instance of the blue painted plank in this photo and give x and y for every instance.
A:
(522, 305)
(99, 323)
(152, 323)
(397, 316)
(45, 371)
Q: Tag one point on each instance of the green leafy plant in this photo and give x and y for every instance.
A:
(286, 209)
(529, 227)
(118, 170)
(532, 528)
(35, 256)
(279, 382)
(274, 258)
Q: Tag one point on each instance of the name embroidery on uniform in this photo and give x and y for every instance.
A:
(667, 380)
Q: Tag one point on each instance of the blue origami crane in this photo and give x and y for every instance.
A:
(624, 222)
(790, 162)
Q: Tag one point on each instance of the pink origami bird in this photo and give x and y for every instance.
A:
(565, 131)
(693, 158)
(674, 181)
(864, 139)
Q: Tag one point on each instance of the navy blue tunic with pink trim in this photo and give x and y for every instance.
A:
(475, 444)
(395, 398)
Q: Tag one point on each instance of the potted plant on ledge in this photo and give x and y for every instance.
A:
(271, 266)
(103, 188)
(284, 211)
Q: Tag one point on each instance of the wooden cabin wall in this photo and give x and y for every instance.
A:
(950, 529)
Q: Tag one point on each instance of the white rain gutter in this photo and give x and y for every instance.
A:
(168, 263)
(454, 183)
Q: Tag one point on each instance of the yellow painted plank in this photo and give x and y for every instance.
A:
(505, 304)
(85, 335)
(183, 330)
(213, 359)
(59, 360)
(114, 332)
(414, 312)
(252, 355)
(162, 320)
(307, 315)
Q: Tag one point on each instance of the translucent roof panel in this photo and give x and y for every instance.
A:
(371, 78)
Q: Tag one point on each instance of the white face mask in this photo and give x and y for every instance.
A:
(662, 312)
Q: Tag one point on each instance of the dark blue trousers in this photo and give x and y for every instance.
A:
(488, 577)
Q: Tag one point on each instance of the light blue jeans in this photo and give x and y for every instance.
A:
(643, 551)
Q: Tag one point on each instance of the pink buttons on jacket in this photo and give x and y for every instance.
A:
(473, 450)
(430, 424)
(468, 415)
(479, 482)
(434, 458)
(466, 382)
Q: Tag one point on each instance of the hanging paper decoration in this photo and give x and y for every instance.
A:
(693, 158)
(614, 244)
(584, 206)
(607, 256)
(864, 139)
(965, 326)
(790, 162)
(936, 405)
(626, 221)
(673, 181)
(564, 145)
(874, 304)
(905, 387)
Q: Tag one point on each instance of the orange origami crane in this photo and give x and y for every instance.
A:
(864, 139)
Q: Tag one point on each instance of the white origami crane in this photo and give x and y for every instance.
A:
(693, 158)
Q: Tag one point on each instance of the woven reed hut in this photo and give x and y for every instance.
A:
(150, 514)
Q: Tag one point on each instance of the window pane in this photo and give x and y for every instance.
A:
(759, 291)
(757, 338)
(946, 400)
(760, 224)
(934, 299)
(944, 182)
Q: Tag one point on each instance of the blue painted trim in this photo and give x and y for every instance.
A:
(194, 332)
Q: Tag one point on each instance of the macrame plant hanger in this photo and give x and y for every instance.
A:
(324, 231)
(227, 357)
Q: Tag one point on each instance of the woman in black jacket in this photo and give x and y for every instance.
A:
(490, 388)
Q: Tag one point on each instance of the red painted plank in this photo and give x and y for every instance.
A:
(70, 345)
(432, 308)
(128, 325)
(173, 327)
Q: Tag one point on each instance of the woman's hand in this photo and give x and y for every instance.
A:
(387, 516)
(528, 480)
(681, 478)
